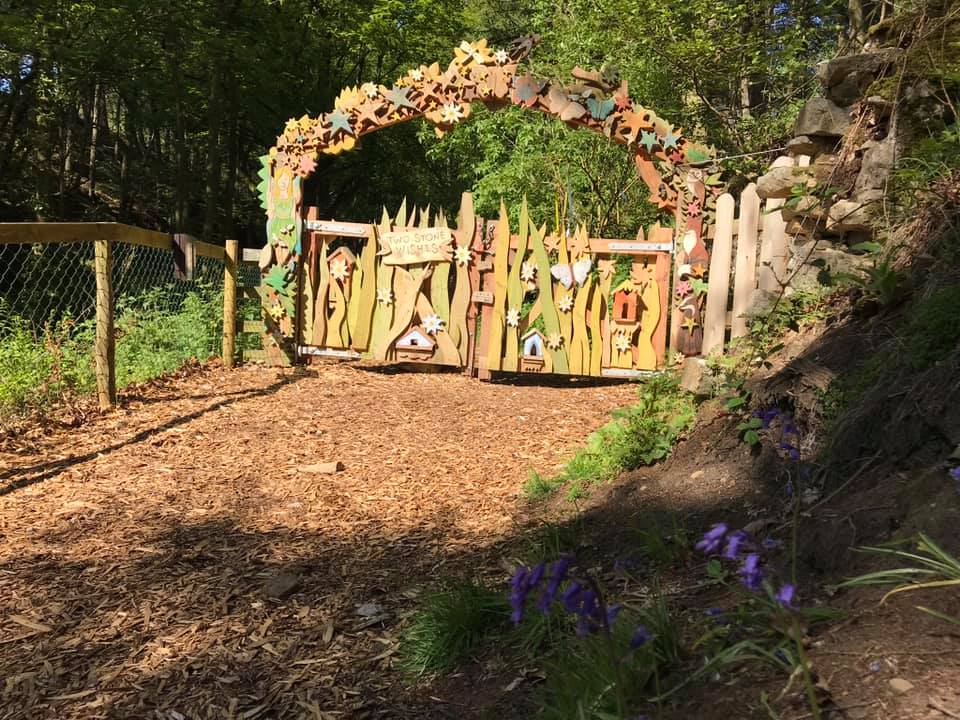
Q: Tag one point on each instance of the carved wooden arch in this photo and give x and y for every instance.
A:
(674, 168)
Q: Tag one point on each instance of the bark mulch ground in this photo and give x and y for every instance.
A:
(183, 557)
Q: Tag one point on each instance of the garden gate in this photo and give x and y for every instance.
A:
(403, 273)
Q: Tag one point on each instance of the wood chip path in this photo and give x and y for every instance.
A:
(181, 557)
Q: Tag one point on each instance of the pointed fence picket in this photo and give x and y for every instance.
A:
(755, 247)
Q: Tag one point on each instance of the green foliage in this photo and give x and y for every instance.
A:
(933, 328)
(153, 338)
(929, 567)
(450, 624)
(640, 434)
(584, 674)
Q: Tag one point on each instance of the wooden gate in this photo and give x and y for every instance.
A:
(483, 297)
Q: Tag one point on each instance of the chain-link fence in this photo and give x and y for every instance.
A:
(48, 318)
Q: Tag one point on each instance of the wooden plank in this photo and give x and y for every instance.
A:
(500, 270)
(382, 311)
(646, 355)
(462, 292)
(661, 272)
(367, 293)
(551, 319)
(515, 293)
(338, 229)
(41, 233)
(251, 256)
(230, 303)
(745, 269)
(773, 247)
(715, 317)
(629, 247)
(204, 249)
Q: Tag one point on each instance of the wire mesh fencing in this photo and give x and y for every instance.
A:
(48, 295)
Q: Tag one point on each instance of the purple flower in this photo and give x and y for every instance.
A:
(612, 613)
(792, 452)
(718, 615)
(641, 636)
(785, 596)
(768, 416)
(519, 578)
(790, 429)
(536, 575)
(571, 597)
(713, 539)
(751, 573)
(734, 541)
(955, 475)
(770, 544)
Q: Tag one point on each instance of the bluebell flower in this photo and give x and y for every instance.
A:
(612, 613)
(571, 597)
(790, 429)
(713, 539)
(751, 573)
(734, 541)
(718, 615)
(792, 452)
(770, 544)
(641, 636)
(536, 575)
(955, 475)
(768, 416)
(785, 596)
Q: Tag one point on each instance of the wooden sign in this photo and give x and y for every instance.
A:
(343, 229)
(639, 247)
(410, 247)
(482, 297)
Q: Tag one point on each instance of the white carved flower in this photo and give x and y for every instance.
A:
(528, 271)
(416, 74)
(370, 90)
(339, 269)
(462, 255)
(565, 303)
(554, 341)
(501, 57)
(513, 317)
(385, 296)
(622, 342)
(433, 324)
(452, 113)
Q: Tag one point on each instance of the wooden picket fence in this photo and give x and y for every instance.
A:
(750, 252)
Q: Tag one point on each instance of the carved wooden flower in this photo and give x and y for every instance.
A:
(684, 288)
(565, 304)
(462, 255)
(432, 324)
(551, 242)
(501, 57)
(641, 274)
(385, 296)
(606, 267)
(339, 269)
(621, 342)
(578, 244)
(528, 272)
(554, 340)
(513, 317)
(452, 113)
(416, 75)
(370, 90)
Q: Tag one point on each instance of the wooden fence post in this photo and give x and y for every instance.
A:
(230, 257)
(104, 348)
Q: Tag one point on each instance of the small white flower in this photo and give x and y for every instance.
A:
(462, 255)
(385, 296)
(451, 113)
(622, 342)
(501, 57)
(528, 271)
(554, 341)
(370, 90)
(416, 74)
(433, 324)
(339, 269)
(565, 304)
(513, 317)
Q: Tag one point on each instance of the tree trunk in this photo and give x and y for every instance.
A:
(230, 191)
(94, 129)
(212, 180)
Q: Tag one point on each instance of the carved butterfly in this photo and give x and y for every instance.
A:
(600, 109)
(563, 107)
(566, 274)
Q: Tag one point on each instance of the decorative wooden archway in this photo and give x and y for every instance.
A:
(679, 172)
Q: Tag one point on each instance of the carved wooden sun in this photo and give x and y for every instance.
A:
(385, 296)
(513, 317)
(622, 342)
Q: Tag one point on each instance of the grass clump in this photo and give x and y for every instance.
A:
(452, 623)
(641, 434)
